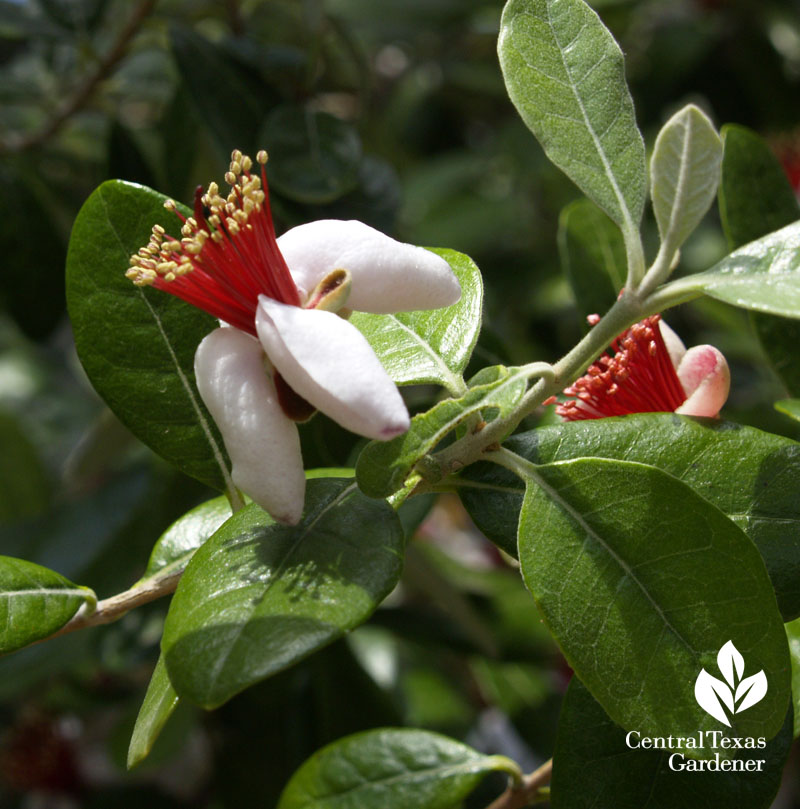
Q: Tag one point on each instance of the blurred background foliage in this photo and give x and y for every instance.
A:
(390, 111)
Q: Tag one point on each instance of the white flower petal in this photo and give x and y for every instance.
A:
(331, 365)
(674, 344)
(388, 276)
(262, 442)
(706, 380)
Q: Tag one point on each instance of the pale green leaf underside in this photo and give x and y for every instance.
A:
(35, 602)
(790, 407)
(565, 74)
(387, 768)
(684, 172)
(433, 345)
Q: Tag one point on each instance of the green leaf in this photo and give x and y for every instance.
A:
(755, 195)
(383, 466)
(24, 485)
(137, 345)
(430, 346)
(159, 703)
(389, 769)
(314, 157)
(684, 175)
(565, 75)
(594, 767)
(750, 475)
(755, 198)
(228, 99)
(177, 544)
(764, 275)
(592, 253)
(35, 602)
(793, 635)
(258, 597)
(791, 407)
(642, 582)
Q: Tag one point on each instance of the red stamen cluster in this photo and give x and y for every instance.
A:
(638, 377)
(228, 255)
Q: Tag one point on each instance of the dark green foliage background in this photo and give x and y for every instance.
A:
(412, 131)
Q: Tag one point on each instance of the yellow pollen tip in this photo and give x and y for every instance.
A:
(262, 157)
(230, 178)
(170, 205)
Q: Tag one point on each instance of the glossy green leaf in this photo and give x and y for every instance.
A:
(434, 345)
(258, 597)
(565, 75)
(35, 602)
(764, 275)
(390, 769)
(175, 546)
(24, 485)
(314, 157)
(592, 254)
(137, 345)
(791, 407)
(750, 475)
(793, 635)
(383, 466)
(228, 99)
(755, 198)
(642, 582)
(159, 703)
(684, 175)
(594, 767)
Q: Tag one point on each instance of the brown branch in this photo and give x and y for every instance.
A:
(112, 609)
(84, 93)
(519, 795)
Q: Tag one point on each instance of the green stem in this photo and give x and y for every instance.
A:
(553, 379)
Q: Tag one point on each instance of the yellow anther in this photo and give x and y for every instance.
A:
(247, 163)
(230, 178)
(236, 167)
(236, 156)
(262, 157)
(170, 205)
(214, 220)
(240, 217)
(217, 236)
(170, 276)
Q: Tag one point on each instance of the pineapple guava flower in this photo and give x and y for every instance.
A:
(650, 371)
(285, 348)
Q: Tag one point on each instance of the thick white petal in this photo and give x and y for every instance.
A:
(674, 344)
(388, 276)
(706, 380)
(330, 364)
(262, 442)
